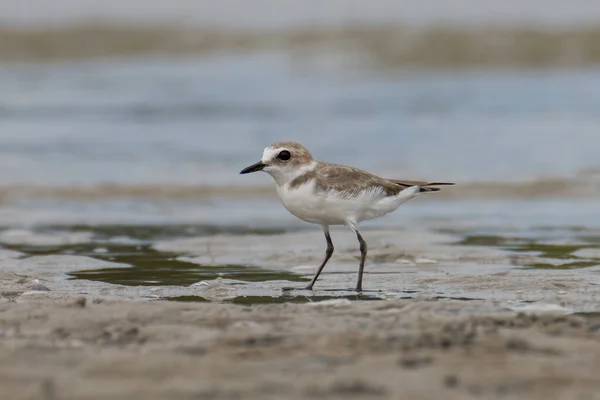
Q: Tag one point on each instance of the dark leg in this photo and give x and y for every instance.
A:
(328, 254)
(363, 256)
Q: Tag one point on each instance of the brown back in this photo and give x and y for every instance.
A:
(351, 182)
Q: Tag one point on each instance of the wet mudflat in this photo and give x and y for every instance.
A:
(153, 311)
(205, 263)
(332, 349)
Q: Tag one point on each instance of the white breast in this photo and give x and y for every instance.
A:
(333, 208)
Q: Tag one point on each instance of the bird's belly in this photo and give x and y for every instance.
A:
(336, 209)
(308, 206)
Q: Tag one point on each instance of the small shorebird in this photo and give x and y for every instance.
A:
(328, 194)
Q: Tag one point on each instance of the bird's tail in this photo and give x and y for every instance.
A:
(424, 185)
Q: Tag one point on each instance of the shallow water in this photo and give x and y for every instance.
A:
(194, 121)
(162, 140)
(560, 250)
(180, 275)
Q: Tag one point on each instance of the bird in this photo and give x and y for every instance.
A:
(330, 194)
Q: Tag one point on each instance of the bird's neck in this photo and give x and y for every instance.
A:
(284, 177)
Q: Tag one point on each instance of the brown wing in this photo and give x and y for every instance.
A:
(352, 181)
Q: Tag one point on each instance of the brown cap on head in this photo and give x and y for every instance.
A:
(281, 155)
(298, 153)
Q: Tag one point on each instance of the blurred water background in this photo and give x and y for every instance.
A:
(144, 112)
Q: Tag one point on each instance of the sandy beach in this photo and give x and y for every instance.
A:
(439, 319)
(334, 349)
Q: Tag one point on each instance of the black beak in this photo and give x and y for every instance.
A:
(253, 168)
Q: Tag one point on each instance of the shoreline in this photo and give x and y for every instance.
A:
(377, 47)
(584, 185)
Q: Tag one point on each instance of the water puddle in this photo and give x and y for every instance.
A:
(151, 233)
(563, 253)
(247, 300)
(132, 245)
(164, 275)
(152, 268)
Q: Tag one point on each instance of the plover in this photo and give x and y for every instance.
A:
(329, 194)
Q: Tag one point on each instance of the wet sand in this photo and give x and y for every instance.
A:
(336, 349)
(446, 315)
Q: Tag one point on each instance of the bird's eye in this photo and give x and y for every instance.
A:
(284, 155)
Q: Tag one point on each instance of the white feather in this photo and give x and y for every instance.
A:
(269, 154)
(336, 208)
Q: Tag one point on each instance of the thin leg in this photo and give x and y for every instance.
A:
(328, 254)
(363, 256)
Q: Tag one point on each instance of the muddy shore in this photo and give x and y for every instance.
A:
(334, 349)
(446, 316)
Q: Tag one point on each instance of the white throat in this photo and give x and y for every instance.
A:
(284, 176)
